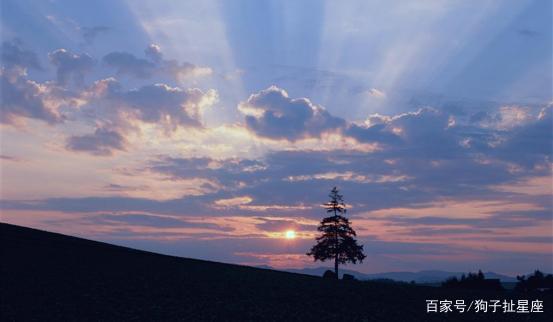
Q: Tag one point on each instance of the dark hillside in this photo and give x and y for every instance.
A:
(47, 276)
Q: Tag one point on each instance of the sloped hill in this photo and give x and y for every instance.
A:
(47, 276)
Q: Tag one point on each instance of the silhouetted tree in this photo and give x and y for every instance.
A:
(337, 240)
(452, 282)
(534, 282)
(480, 275)
(329, 274)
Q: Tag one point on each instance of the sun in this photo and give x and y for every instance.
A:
(290, 234)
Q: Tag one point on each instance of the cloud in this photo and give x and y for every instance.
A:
(160, 103)
(402, 175)
(10, 158)
(124, 188)
(274, 174)
(525, 239)
(379, 133)
(157, 103)
(71, 65)
(529, 144)
(271, 113)
(14, 55)
(227, 173)
(428, 162)
(90, 33)
(374, 92)
(101, 142)
(498, 219)
(118, 112)
(427, 132)
(280, 225)
(156, 221)
(349, 176)
(185, 70)
(21, 97)
(153, 52)
(233, 202)
(128, 64)
(505, 118)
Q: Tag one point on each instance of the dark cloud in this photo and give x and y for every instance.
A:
(442, 224)
(153, 102)
(427, 133)
(158, 103)
(430, 231)
(153, 52)
(417, 170)
(510, 134)
(271, 113)
(13, 54)
(90, 33)
(114, 110)
(517, 218)
(525, 239)
(70, 65)
(531, 144)
(188, 205)
(20, 97)
(378, 133)
(183, 168)
(431, 220)
(101, 142)
(278, 172)
(229, 172)
(10, 158)
(128, 64)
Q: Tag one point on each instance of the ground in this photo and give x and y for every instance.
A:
(48, 276)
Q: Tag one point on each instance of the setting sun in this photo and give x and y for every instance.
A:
(290, 234)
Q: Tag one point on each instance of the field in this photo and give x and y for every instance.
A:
(47, 276)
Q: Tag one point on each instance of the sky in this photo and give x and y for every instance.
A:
(208, 129)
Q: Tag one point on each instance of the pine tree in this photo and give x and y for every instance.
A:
(337, 240)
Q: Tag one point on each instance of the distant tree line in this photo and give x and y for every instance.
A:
(473, 281)
(536, 282)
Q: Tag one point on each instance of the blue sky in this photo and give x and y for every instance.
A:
(208, 129)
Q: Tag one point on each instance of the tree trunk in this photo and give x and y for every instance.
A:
(336, 245)
(336, 267)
